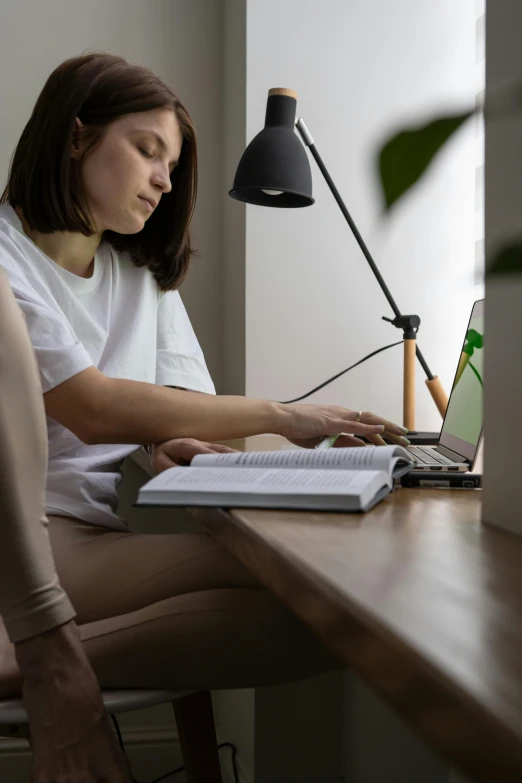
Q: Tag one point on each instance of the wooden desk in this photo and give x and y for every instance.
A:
(417, 597)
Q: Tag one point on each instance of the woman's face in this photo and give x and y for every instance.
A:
(128, 172)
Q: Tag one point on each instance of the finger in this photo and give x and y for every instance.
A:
(162, 462)
(400, 440)
(370, 418)
(358, 427)
(376, 440)
(218, 447)
(190, 448)
(347, 441)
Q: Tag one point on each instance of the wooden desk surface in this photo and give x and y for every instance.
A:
(419, 598)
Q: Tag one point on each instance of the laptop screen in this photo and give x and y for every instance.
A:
(463, 422)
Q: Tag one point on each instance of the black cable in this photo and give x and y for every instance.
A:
(234, 752)
(118, 732)
(334, 378)
(179, 769)
(168, 774)
(120, 740)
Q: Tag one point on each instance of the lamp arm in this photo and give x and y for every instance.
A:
(309, 142)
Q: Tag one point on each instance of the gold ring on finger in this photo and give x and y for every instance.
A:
(358, 415)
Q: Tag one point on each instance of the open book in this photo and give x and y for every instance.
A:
(340, 479)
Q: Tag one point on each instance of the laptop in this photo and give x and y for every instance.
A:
(461, 432)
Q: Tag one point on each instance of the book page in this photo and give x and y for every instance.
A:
(357, 458)
(269, 481)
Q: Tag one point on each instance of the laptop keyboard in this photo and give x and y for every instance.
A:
(429, 456)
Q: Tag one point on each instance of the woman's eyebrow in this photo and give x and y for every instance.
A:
(161, 142)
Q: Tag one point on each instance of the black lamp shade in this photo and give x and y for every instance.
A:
(275, 160)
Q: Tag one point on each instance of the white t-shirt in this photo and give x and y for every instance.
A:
(117, 320)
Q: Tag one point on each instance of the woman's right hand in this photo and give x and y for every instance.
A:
(71, 737)
(307, 425)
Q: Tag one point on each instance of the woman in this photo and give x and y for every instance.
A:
(94, 238)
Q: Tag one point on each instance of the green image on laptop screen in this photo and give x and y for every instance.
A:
(464, 416)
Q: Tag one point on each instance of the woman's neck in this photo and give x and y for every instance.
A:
(73, 252)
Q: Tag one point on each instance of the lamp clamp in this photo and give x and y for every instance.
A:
(408, 323)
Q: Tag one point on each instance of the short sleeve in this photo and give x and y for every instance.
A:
(59, 353)
(179, 358)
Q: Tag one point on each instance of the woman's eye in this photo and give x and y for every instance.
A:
(146, 153)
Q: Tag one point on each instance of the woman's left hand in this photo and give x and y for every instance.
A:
(180, 451)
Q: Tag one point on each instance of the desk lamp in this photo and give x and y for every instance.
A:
(274, 171)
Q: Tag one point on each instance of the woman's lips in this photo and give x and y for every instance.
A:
(148, 205)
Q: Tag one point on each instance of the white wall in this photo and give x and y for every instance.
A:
(361, 68)
(181, 40)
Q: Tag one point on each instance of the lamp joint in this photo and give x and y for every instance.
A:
(408, 323)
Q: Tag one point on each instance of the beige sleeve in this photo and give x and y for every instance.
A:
(31, 598)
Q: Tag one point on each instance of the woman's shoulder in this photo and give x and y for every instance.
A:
(7, 214)
(19, 261)
(8, 223)
(15, 248)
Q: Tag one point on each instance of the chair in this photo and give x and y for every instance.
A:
(194, 720)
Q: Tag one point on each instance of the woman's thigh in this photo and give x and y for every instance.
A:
(212, 639)
(107, 573)
(177, 611)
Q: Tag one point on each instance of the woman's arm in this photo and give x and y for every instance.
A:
(81, 747)
(99, 409)
(31, 599)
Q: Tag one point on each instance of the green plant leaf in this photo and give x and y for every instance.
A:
(404, 158)
(507, 261)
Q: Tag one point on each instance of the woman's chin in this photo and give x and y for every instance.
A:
(131, 225)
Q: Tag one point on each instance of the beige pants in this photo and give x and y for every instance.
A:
(177, 611)
(159, 611)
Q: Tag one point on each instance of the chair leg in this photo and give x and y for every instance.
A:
(197, 735)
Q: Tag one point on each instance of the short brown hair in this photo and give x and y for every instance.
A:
(45, 181)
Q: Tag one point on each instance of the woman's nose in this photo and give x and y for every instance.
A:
(161, 179)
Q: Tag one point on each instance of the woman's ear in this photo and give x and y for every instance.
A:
(77, 134)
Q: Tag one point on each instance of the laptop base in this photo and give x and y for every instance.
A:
(423, 438)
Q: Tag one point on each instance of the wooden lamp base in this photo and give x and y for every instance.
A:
(408, 390)
(434, 385)
(440, 397)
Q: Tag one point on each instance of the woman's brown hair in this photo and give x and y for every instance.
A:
(45, 181)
